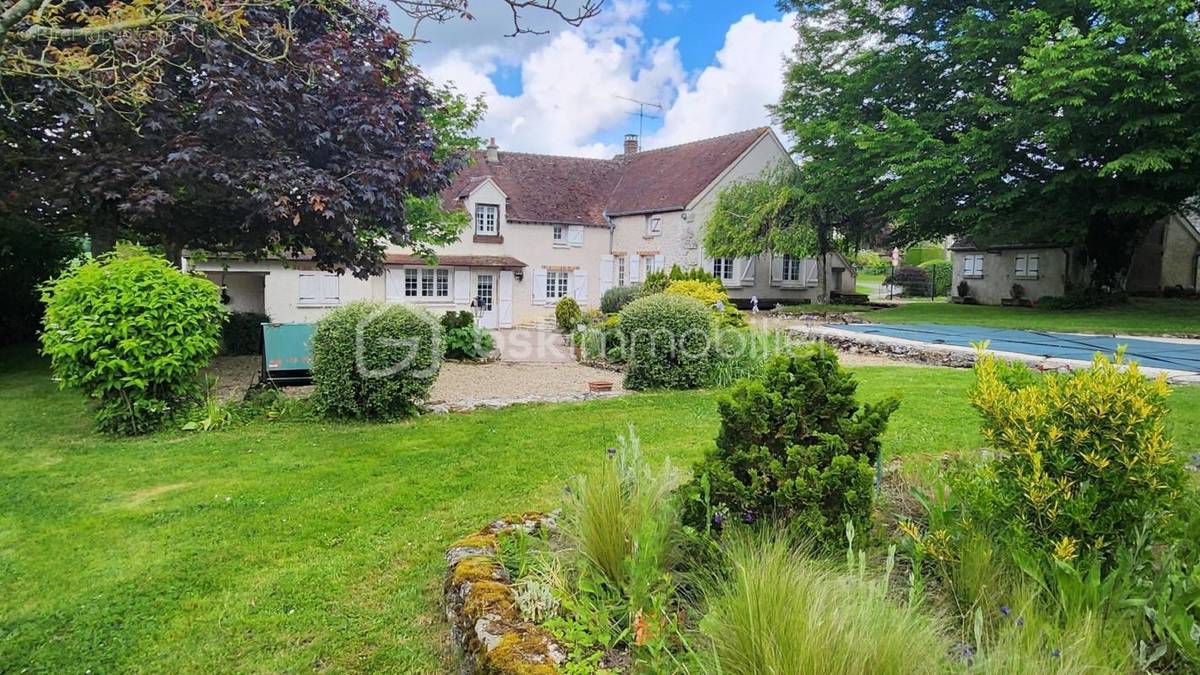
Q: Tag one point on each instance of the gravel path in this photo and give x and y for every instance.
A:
(468, 384)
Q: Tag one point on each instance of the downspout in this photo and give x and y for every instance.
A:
(611, 230)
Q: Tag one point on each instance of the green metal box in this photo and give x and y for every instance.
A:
(287, 352)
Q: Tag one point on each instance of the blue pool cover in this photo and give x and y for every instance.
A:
(1149, 353)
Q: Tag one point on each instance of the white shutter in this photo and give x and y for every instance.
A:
(746, 275)
(633, 268)
(606, 273)
(394, 285)
(575, 235)
(580, 279)
(310, 288)
(658, 263)
(504, 302)
(814, 268)
(462, 285)
(539, 286)
(776, 270)
(1021, 265)
(329, 288)
(1031, 267)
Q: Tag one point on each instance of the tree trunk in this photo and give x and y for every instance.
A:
(1110, 244)
(103, 233)
(822, 262)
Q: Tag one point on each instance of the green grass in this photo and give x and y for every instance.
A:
(823, 309)
(869, 283)
(1142, 316)
(296, 546)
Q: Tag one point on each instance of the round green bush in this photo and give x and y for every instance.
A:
(667, 342)
(374, 360)
(617, 297)
(567, 313)
(132, 332)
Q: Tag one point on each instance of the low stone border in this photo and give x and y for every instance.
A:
(441, 407)
(485, 621)
(953, 356)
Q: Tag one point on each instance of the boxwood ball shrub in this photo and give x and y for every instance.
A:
(794, 445)
(374, 360)
(668, 342)
(132, 332)
(567, 313)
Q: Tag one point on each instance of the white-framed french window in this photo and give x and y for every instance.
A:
(653, 226)
(319, 288)
(558, 284)
(650, 263)
(487, 219)
(559, 235)
(1027, 266)
(422, 284)
(973, 266)
(792, 268)
(620, 270)
(722, 268)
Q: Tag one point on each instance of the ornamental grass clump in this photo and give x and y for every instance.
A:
(794, 445)
(1084, 462)
(779, 611)
(374, 360)
(133, 332)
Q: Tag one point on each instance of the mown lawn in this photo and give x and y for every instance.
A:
(297, 546)
(1142, 316)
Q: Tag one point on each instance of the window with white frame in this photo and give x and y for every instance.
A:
(620, 270)
(654, 225)
(973, 266)
(792, 268)
(557, 283)
(1027, 266)
(648, 265)
(426, 283)
(319, 288)
(722, 268)
(487, 219)
(560, 235)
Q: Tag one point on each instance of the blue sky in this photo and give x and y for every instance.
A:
(713, 65)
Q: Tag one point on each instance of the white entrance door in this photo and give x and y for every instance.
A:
(485, 299)
(504, 302)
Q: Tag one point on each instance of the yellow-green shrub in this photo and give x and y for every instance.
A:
(1084, 458)
(709, 293)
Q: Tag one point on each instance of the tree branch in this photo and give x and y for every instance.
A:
(34, 32)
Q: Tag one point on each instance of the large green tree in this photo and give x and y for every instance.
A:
(1068, 122)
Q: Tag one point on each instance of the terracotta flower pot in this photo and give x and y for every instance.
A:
(600, 385)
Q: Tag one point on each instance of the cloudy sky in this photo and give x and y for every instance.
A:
(712, 64)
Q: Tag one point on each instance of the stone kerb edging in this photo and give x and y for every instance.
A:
(485, 621)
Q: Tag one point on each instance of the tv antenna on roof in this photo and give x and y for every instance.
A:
(641, 113)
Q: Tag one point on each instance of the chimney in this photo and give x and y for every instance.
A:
(631, 144)
(493, 151)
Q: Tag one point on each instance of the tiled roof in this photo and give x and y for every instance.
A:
(457, 260)
(576, 190)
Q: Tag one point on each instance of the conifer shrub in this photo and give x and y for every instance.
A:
(567, 313)
(795, 446)
(132, 332)
(667, 342)
(374, 360)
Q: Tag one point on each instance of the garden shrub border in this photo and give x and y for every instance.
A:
(486, 624)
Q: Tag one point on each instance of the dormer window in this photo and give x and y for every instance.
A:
(487, 220)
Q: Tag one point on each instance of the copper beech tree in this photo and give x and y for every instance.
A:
(333, 152)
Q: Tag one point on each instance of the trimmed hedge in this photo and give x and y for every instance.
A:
(668, 342)
(374, 360)
(242, 334)
(915, 255)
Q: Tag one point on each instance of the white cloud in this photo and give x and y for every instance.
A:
(732, 94)
(571, 82)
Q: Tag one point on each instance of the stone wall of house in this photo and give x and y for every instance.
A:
(999, 274)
